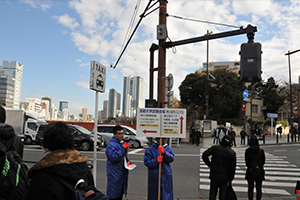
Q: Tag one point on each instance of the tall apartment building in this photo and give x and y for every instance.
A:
(46, 107)
(34, 105)
(132, 94)
(63, 105)
(113, 102)
(105, 110)
(84, 115)
(7, 91)
(15, 70)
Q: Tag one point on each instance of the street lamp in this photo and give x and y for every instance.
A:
(290, 79)
(207, 76)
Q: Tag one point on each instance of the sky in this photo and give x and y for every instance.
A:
(57, 40)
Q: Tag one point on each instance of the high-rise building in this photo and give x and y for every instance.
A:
(114, 97)
(63, 105)
(46, 102)
(15, 70)
(84, 115)
(34, 105)
(105, 109)
(133, 86)
(7, 91)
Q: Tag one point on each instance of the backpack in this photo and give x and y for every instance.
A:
(84, 191)
(13, 181)
(256, 169)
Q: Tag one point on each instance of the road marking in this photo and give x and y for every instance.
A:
(135, 151)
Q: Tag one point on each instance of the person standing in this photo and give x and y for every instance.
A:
(198, 136)
(10, 141)
(222, 167)
(192, 135)
(117, 174)
(252, 153)
(151, 161)
(232, 134)
(216, 136)
(60, 160)
(243, 135)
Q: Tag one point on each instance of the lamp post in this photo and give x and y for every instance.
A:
(290, 80)
(251, 123)
(207, 76)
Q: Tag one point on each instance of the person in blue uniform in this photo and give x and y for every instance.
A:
(152, 158)
(117, 174)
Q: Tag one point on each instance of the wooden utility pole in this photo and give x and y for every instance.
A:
(161, 86)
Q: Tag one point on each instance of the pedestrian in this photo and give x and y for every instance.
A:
(152, 159)
(10, 141)
(232, 134)
(279, 130)
(117, 174)
(198, 136)
(60, 160)
(192, 135)
(221, 134)
(222, 167)
(254, 173)
(243, 135)
(216, 136)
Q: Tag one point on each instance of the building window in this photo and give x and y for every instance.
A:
(255, 109)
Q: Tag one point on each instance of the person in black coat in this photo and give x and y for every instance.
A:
(198, 136)
(250, 154)
(222, 167)
(60, 160)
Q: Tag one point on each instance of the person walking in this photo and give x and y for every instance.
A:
(216, 136)
(222, 167)
(198, 136)
(192, 135)
(151, 161)
(117, 174)
(255, 160)
(243, 135)
(232, 134)
(60, 160)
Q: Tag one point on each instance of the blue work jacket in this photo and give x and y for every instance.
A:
(150, 160)
(117, 174)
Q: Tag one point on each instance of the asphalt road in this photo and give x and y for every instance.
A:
(190, 175)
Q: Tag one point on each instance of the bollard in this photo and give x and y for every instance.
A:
(288, 138)
(277, 138)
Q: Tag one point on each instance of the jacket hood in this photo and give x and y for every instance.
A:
(68, 164)
(6, 131)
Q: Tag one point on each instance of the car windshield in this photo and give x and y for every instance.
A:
(129, 131)
(83, 130)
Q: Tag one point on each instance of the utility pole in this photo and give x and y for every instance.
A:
(161, 86)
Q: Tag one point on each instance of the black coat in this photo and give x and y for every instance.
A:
(67, 164)
(248, 159)
(222, 164)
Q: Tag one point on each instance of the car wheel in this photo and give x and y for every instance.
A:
(135, 144)
(85, 146)
(28, 140)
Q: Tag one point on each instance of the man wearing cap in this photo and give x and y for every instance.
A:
(222, 167)
(159, 152)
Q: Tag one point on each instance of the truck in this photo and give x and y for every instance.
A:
(26, 124)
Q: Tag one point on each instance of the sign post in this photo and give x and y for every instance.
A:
(272, 115)
(97, 83)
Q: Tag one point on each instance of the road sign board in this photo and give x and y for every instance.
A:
(158, 122)
(97, 76)
(272, 115)
(245, 93)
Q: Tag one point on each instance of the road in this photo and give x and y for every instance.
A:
(282, 171)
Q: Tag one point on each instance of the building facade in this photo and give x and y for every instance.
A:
(113, 103)
(15, 70)
(132, 94)
(7, 91)
(84, 115)
(105, 110)
(46, 107)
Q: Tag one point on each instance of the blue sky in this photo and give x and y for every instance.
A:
(56, 41)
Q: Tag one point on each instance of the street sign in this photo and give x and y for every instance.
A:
(158, 122)
(97, 77)
(245, 93)
(272, 115)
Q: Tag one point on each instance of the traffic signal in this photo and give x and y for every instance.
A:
(250, 70)
(244, 107)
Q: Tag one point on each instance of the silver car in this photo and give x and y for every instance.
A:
(106, 131)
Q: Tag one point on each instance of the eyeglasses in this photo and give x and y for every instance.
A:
(120, 133)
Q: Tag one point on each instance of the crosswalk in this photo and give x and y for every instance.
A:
(279, 174)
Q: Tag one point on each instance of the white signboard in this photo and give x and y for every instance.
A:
(159, 122)
(97, 76)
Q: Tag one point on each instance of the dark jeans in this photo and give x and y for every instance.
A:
(120, 198)
(258, 185)
(242, 141)
(214, 186)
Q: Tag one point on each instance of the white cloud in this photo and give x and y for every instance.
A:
(67, 21)
(82, 84)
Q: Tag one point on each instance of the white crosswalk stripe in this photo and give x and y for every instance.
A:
(279, 174)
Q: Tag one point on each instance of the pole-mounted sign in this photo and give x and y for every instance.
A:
(97, 77)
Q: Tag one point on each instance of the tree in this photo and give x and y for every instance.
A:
(225, 93)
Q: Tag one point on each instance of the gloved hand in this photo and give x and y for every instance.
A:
(159, 159)
(125, 145)
(161, 149)
(128, 164)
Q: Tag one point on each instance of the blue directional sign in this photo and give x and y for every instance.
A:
(245, 93)
(272, 115)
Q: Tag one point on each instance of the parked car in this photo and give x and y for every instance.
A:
(106, 131)
(83, 138)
